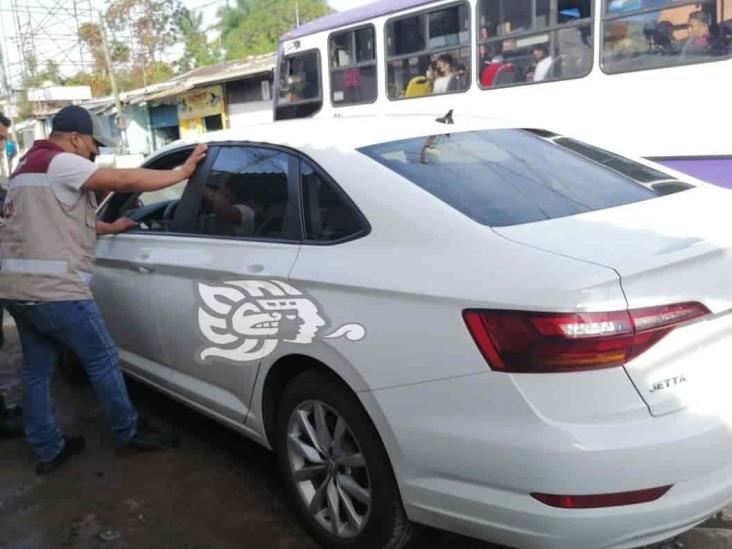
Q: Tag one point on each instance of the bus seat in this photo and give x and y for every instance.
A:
(418, 86)
(555, 69)
(507, 74)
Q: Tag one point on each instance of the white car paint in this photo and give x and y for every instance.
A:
(469, 444)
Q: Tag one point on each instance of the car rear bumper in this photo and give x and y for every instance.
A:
(467, 457)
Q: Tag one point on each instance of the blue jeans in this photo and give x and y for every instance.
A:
(78, 325)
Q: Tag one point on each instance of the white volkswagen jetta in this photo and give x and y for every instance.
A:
(497, 331)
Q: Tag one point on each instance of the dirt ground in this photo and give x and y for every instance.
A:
(218, 490)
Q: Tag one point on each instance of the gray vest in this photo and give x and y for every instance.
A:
(46, 246)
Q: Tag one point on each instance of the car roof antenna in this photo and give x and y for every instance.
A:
(447, 119)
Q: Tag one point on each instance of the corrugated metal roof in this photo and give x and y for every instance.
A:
(212, 74)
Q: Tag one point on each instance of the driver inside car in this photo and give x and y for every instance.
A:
(230, 218)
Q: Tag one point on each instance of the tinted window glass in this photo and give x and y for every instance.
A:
(365, 45)
(625, 166)
(553, 42)
(299, 86)
(300, 78)
(406, 35)
(173, 192)
(507, 177)
(676, 35)
(353, 67)
(328, 216)
(429, 54)
(245, 195)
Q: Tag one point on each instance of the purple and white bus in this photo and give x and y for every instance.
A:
(649, 78)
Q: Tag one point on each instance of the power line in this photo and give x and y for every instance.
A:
(44, 30)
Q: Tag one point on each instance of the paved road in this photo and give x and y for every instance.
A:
(218, 490)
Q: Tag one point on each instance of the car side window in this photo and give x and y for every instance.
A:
(174, 192)
(153, 210)
(328, 214)
(246, 194)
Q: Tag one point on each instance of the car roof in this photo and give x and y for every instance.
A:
(347, 132)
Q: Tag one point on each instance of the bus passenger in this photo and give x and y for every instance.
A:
(700, 40)
(495, 66)
(446, 79)
(462, 77)
(543, 63)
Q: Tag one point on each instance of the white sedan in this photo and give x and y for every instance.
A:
(497, 331)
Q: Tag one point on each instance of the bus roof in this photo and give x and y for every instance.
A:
(352, 16)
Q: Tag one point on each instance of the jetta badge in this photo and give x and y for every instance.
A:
(668, 383)
(245, 320)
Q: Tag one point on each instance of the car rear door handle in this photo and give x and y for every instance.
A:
(143, 268)
(255, 269)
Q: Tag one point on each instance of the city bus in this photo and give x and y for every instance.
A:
(648, 78)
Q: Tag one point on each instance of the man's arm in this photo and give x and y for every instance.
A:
(121, 225)
(141, 179)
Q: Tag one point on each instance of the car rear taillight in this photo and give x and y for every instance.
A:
(594, 501)
(528, 342)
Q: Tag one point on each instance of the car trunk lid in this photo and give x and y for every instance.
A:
(671, 249)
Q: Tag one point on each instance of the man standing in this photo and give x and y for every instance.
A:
(47, 245)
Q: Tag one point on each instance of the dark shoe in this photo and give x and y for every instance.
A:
(73, 446)
(148, 439)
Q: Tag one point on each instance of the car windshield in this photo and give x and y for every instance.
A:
(508, 176)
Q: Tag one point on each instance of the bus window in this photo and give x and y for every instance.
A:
(429, 53)
(353, 67)
(527, 41)
(299, 86)
(677, 33)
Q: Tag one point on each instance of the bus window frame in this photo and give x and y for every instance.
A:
(426, 51)
(587, 21)
(320, 82)
(604, 17)
(374, 63)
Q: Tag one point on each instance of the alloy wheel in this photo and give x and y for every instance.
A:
(329, 469)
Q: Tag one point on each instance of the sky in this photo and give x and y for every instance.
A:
(45, 13)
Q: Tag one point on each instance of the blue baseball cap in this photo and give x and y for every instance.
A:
(77, 119)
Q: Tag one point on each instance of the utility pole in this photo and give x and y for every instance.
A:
(297, 14)
(108, 61)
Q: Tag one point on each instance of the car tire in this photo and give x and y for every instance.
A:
(352, 474)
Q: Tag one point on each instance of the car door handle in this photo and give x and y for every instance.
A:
(143, 268)
(255, 269)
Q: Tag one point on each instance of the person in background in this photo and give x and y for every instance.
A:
(495, 64)
(11, 151)
(446, 74)
(700, 38)
(4, 133)
(47, 246)
(543, 63)
(10, 421)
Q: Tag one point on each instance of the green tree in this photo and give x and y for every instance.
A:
(198, 52)
(260, 23)
(231, 16)
(152, 24)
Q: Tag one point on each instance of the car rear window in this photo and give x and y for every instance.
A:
(508, 176)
